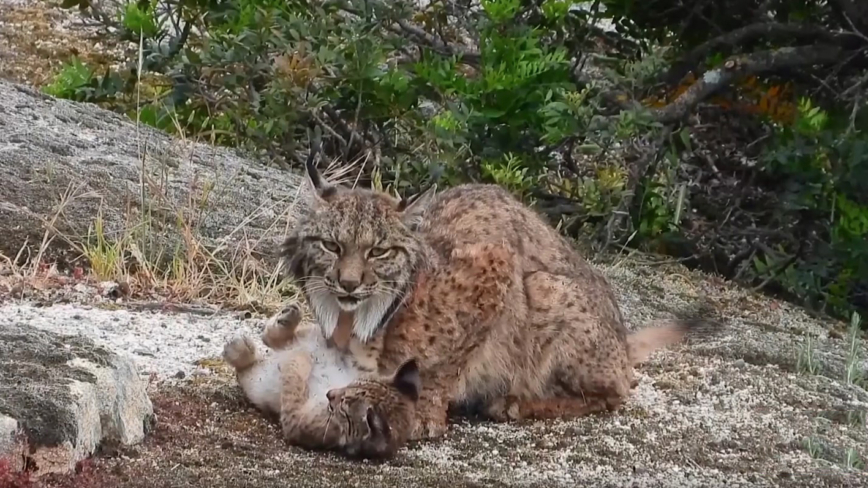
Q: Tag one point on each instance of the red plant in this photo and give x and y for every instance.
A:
(13, 479)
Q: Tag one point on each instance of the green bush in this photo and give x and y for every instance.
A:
(820, 171)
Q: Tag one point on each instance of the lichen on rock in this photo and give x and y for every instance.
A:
(87, 161)
(61, 396)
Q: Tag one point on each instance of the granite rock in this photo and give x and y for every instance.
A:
(63, 396)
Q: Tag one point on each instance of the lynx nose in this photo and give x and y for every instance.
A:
(349, 284)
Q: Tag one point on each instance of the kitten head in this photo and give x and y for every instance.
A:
(377, 416)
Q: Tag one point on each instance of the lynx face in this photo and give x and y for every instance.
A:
(353, 251)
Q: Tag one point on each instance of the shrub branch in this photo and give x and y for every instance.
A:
(747, 34)
(419, 36)
(746, 65)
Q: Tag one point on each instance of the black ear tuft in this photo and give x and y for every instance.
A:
(323, 188)
(407, 380)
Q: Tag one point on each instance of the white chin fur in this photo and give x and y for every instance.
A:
(350, 306)
(368, 313)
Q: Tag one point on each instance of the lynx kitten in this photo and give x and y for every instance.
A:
(308, 385)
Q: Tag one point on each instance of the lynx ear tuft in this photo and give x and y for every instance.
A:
(321, 186)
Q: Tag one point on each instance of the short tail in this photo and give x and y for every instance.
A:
(665, 333)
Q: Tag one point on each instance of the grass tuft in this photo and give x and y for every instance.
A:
(807, 361)
(853, 372)
(852, 460)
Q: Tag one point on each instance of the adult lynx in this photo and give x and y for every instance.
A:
(496, 306)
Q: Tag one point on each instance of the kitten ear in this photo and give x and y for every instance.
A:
(377, 423)
(407, 380)
(321, 186)
(412, 208)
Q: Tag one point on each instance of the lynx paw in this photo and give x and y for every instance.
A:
(280, 329)
(504, 409)
(240, 352)
(427, 430)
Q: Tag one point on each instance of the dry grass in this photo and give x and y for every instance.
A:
(197, 270)
(192, 272)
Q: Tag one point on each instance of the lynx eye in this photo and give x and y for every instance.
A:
(332, 247)
(379, 252)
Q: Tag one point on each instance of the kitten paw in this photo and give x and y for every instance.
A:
(289, 316)
(280, 329)
(240, 352)
(427, 430)
(504, 409)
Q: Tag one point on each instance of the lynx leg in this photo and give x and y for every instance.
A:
(295, 372)
(579, 391)
(603, 377)
(583, 387)
(431, 417)
(280, 329)
(303, 425)
(587, 364)
(512, 408)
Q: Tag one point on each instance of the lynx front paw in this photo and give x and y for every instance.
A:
(240, 352)
(280, 329)
(427, 430)
(504, 409)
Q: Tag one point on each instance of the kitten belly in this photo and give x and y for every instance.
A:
(331, 369)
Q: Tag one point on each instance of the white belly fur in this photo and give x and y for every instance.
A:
(263, 382)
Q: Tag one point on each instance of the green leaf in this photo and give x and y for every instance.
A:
(685, 138)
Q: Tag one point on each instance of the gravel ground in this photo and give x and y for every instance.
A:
(37, 37)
